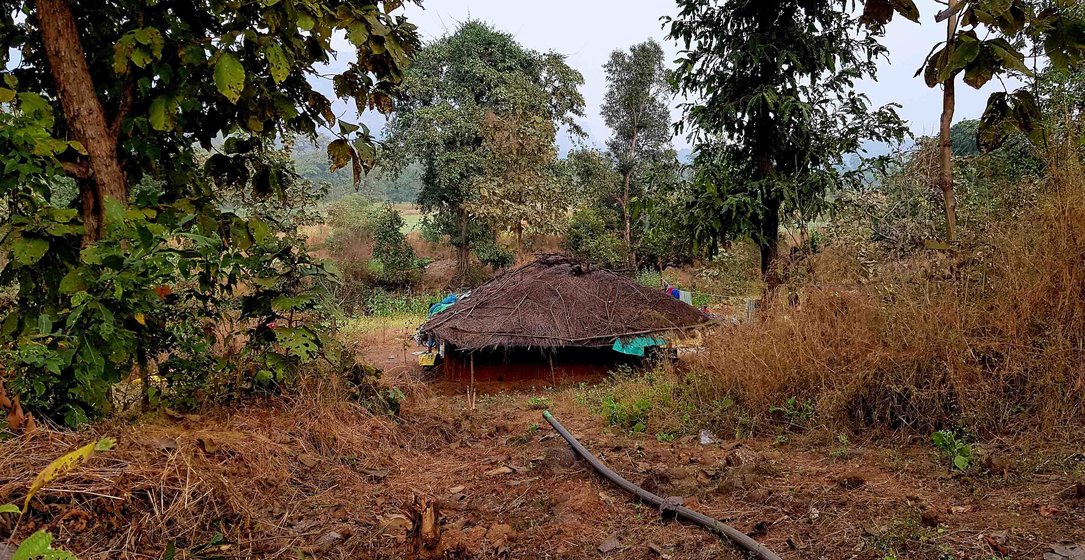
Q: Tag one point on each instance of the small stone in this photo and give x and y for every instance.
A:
(500, 534)
(609, 545)
(327, 541)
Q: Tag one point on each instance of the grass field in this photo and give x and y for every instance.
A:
(412, 216)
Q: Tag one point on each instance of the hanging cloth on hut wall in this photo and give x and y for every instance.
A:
(637, 345)
(681, 295)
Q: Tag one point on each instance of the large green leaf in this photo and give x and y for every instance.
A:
(299, 342)
(283, 304)
(72, 282)
(277, 62)
(161, 114)
(965, 51)
(28, 251)
(229, 77)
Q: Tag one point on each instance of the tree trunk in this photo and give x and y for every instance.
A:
(83, 112)
(463, 248)
(631, 257)
(769, 244)
(945, 177)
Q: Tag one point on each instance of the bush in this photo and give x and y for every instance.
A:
(398, 265)
(589, 235)
(370, 249)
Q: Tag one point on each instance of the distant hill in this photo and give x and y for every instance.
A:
(311, 162)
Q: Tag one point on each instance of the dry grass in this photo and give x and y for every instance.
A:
(990, 338)
(177, 480)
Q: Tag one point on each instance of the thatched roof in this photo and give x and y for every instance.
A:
(558, 301)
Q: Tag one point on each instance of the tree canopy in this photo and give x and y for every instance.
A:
(773, 109)
(481, 116)
(637, 112)
(138, 165)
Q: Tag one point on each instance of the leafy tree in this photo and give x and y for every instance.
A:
(589, 235)
(986, 38)
(589, 178)
(773, 111)
(398, 266)
(172, 237)
(636, 110)
(139, 83)
(963, 138)
(481, 118)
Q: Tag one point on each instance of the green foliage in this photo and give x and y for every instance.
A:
(589, 235)
(398, 265)
(382, 303)
(641, 402)
(380, 184)
(898, 211)
(774, 111)
(480, 119)
(539, 403)
(636, 109)
(842, 447)
(955, 448)
(795, 412)
(494, 255)
(371, 251)
(148, 289)
(992, 39)
(40, 546)
(193, 274)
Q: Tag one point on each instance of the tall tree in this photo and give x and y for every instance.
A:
(162, 115)
(1009, 28)
(773, 110)
(635, 108)
(140, 82)
(481, 118)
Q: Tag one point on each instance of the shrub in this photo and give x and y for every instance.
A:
(954, 448)
(589, 235)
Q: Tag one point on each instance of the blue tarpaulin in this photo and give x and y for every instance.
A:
(636, 346)
(444, 304)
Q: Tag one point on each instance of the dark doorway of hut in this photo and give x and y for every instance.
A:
(504, 369)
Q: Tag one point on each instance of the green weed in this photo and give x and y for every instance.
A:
(538, 403)
(794, 412)
(953, 447)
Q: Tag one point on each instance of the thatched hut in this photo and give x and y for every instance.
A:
(555, 309)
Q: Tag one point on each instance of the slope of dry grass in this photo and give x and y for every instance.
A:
(989, 338)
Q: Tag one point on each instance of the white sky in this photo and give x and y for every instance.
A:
(588, 30)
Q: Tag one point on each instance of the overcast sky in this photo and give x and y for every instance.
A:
(588, 30)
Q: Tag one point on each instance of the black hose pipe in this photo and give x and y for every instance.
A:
(740, 539)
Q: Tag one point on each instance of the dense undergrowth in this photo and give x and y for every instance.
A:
(987, 338)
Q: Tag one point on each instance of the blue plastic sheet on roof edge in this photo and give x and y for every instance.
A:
(637, 345)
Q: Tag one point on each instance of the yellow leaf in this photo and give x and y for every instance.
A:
(141, 319)
(65, 465)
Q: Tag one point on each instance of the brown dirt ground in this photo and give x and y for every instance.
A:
(316, 475)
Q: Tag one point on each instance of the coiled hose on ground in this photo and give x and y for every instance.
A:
(737, 537)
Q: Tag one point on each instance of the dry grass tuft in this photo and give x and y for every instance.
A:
(991, 338)
(177, 480)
